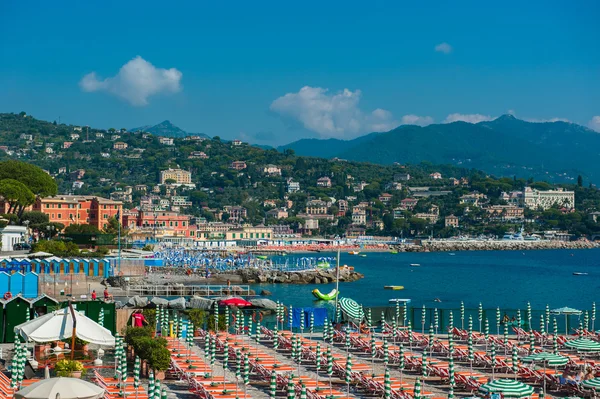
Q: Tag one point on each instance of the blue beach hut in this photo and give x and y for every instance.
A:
(16, 283)
(4, 283)
(30, 285)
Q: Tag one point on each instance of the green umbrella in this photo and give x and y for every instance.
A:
(348, 375)
(451, 392)
(151, 385)
(387, 384)
(338, 313)
(554, 326)
(542, 324)
(529, 315)
(410, 336)
(163, 394)
(405, 313)
(386, 353)
(303, 392)
(480, 315)
(136, 373)
(498, 321)
(291, 318)
(401, 364)
(423, 316)
(593, 383)
(548, 359)
(417, 389)
(450, 343)
(424, 371)
(302, 322)
(493, 357)
(593, 316)
(311, 326)
(246, 370)
(369, 319)
(436, 320)
(584, 344)
(373, 352)
(351, 309)
(450, 321)
(470, 349)
(273, 385)
(515, 361)
(486, 332)
(531, 341)
(586, 320)
(547, 316)
(157, 389)
(580, 329)
(250, 326)
(325, 330)
(275, 337)
(348, 342)
(470, 325)
(505, 338)
(397, 313)
(519, 321)
(508, 388)
(290, 389)
(257, 333)
(206, 347)
(462, 315)
(227, 319)
(555, 344)
(431, 337)
(225, 354)
(451, 379)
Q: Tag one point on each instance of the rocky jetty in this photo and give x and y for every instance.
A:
(454, 246)
(324, 276)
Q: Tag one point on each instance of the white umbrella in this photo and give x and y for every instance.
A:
(60, 388)
(58, 325)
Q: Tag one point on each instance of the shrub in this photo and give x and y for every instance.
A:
(64, 368)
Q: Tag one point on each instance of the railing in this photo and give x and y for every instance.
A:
(189, 290)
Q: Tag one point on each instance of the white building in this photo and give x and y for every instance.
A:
(12, 235)
(533, 198)
(293, 186)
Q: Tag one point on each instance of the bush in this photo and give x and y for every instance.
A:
(133, 334)
(58, 248)
(202, 318)
(154, 352)
(150, 316)
(64, 368)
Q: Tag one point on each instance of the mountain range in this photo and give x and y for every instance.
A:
(166, 129)
(506, 146)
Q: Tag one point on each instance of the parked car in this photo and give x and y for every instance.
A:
(21, 246)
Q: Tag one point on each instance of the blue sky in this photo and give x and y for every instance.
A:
(272, 72)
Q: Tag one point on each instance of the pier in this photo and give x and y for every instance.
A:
(189, 290)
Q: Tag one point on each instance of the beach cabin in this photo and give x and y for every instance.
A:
(84, 267)
(4, 284)
(54, 265)
(36, 265)
(16, 283)
(15, 312)
(45, 266)
(4, 263)
(43, 305)
(103, 268)
(92, 310)
(30, 285)
(63, 266)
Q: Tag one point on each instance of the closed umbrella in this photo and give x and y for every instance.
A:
(151, 385)
(410, 335)
(348, 379)
(369, 319)
(397, 312)
(529, 315)
(508, 388)
(246, 370)
(387, 384)
(325, 330)
(451, 379)
(312, 323)
(470, 349)
(405, 313)
(580, 329)
(373, 352)
(480, 315)
(303, 392)
(423, 315)
(555, 344)
(493, 357)
(291, 392)
(431, 337)
(424, 372)
(462, 315)
(450, 321)
(290, 318)
(61, 388)
(347, 341)
(227, 319)
(554, 326)
(436, 320)
(547, 317)
(275, 337)
(519, 320)
(542, 330)
(417, 389)
(450, 343)
(273, 385)
(531, 341)
(401, 363)
(470, 326)
(505, 338)
(486, 331)
(515, 361)
(225, 355)
(329, 366)
(302, 322)
(386, 353)
(451, 392)
(586, 320)
(593, 316)
(498, 321)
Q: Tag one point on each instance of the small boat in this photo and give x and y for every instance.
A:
(394, 287)
(415, 264)
(353, 253)
(262, 257)
(323, 265)
(394, 252)
(451, 254)
(325, 297)
(579, 274)
(400, 300)
(363, 255)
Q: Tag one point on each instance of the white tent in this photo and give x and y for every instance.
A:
(60, 388)
(58, 325)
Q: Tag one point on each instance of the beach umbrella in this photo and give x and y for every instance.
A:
(424, 372)
(387, 384)
(386, 353)
(486, 332)
(257, 333)
(584, 344)
(554, 326)
(348, 375)
(431, 337)
(555, 344)
(498, 321)
(246, 370)
(593, 316)
(294, 348)
(273, 385)
(586, 320)
(519, 321)
(531, 341)
(470, 349)
(423, 316)
(136, 372)
(515, 361)
(480, 315)
(291, 318)
(250, 326)
(505, 338)
(347, 341)
(227, 319)
(436, 320)
(373, 351)
(338, 313)
(450, 343)
(450, 321)
(542, 324)
(151, 385)
(508, 388)
(157, 389)
(275, 337)
(529, 315)
(470, 325)
(593, 383)
(312, 323)
(405, 313)
(302, 321)
(493, 357)
(546, 358)
(206, 347)
(351, 309)
(547, 316)
(397, 312)
(410, 335)
(303, 392)
(401, 363)
(291, 392)
(163, 395)
(369, 319)
(417, 389)
(462, 315)
(451, 392)
(329, 363)
(394, 329)
(213, 351)
(451, 379)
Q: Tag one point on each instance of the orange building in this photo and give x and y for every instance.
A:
(159, 223)
(79, 209)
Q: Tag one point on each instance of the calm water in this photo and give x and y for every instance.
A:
(505, 279)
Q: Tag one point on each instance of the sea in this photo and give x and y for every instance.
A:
(497, 279)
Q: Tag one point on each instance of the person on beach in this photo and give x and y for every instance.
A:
(589, 374)
(138, 319)
(107, 296)
(94, 296)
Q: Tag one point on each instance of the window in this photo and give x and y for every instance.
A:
(171, 224)
(71, 215)
(60, 216)
(52, 216)
(47, 206)
(104, 206)
(59, 206)
(105, 216)
(233, 235)
(183, 224)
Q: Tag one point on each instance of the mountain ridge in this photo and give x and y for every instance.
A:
(166, 129)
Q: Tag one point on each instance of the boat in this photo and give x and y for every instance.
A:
(323, 265)
(363, 255)
(394, 252)
(261, 257)
(393, 287)
(353, 253)
(399, 300)
(451, 254)
(579, 274)
(415, 264)
(325, 297)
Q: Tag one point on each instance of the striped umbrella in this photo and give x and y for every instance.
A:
(136, 373)
(227, 319)
(213, 352)
(451, 343)
(151, 385)
(394, 328)
(424, 371)
(498, 321)
(348, 375)
(586, 320)
(486, 332)
(369, 319)
(555, 344)
(584, 344)
(436, 320)
(302, 322)
(157, 389)
(554, 326)
(123, 366)
(531, 341)
(401, 363)
(462, 315)
(331, 335)
(593, 316)
(311, 325)
(257, 333)
(470, 350)
(508, 388)
(410, 335)
(275, 337)
(580, 329)
(505, 338)
(470, 325)
(423, 316)
(451, 379)
(347, 342)
(290, 318)
(546, 358)
(273, 385)
(329, 363)
(238, 366)
(387, 384)
(480, 315)
(542, 325)
(303, 392)
(529, 314)
(325, 330)
(547, 316)
(493, 356)
(431, 337)
(386, 353)
(238, 322)
(216, 316)
(417, 389)
(397, 313)
(206, 347)
(515, 361)
(291, 392)
(593, 383)
(293, 347)
(163, 395)
(450, 321)
(351, 309)
(250, 326)
(338, 313)
(405, 313)
(246, 370)
(519, 320)
(451, 392)
(373, 352)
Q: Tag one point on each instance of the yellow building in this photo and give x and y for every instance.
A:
(180, 176)
(250, 233)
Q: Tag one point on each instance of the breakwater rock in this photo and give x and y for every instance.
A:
(324, 276)
(452, 246)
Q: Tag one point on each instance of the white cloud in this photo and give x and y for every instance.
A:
(470, 118)
(332, 115)
(136, 81)
(443, 48)
(416, 120)
(535, 120)
(594, 124)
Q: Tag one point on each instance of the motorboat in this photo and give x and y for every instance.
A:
(353, 253)
(399, 300)
(579, 274)
(415, 264)
(393, 287)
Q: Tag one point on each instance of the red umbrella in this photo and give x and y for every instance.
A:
(239, 302)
